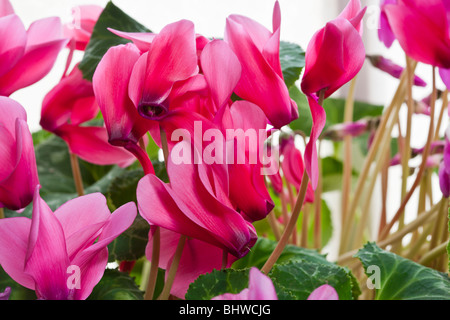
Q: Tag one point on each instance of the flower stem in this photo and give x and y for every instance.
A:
(377, 142)
(434, 254)
(173, 269)
(423, 164)
(318, 204)
(2, 213)
(406, 152)
(398, 235)
(289, 227)
(292, 224)
(154, 265)
(76, 172)
(347, 169)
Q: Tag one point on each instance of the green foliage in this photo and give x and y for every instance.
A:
(292, 60)
(401, 278)
(116, 285)
(297, 273)
(17, 291)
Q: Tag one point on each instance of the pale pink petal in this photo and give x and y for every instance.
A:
(324, 292)
(12, 45)
(47, 236)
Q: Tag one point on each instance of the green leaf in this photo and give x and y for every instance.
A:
(17, 291)
(123, 188)
(131, 244)
(217, 282)
(40, 136)
(298, 279)
(102, 39)
(304, 121)
(401, 278)
(292, 60)
(116, 285)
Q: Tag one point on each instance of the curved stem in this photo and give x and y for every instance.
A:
(142, 157)
(289, 228)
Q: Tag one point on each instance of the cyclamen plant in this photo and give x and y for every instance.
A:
(175, 166)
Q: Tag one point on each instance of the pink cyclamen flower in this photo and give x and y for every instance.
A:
(66, 108)
(261, 82)
(26, 56)
(172, 57)
(62, 255)
(422, 29)
(195, 203)
(5, 294)
(393, 69)
(260, 287)
(18, 174)
(80, 29)
(334, 56)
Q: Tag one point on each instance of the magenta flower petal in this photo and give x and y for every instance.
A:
(91, 144)
(5, 294)
(14, 232)
(222, 70)
(319, 119)
(261, 81)
(72, 99)
(385, 32)
(44, 42)
(82, 25)
(142, 40)
(260, 288)
(422, 29)
(5, 8)
(171, 58)
(14, 39)
(110, 82)
(49, 271)
(324, 292)
(18, 177)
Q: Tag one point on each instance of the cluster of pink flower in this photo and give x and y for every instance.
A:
(157, 84)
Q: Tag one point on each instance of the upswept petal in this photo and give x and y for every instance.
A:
(173, 57)
(222, 70)
(259, 82)
(422, 30)
(5, 8)
(49, 271)
(14, 39)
